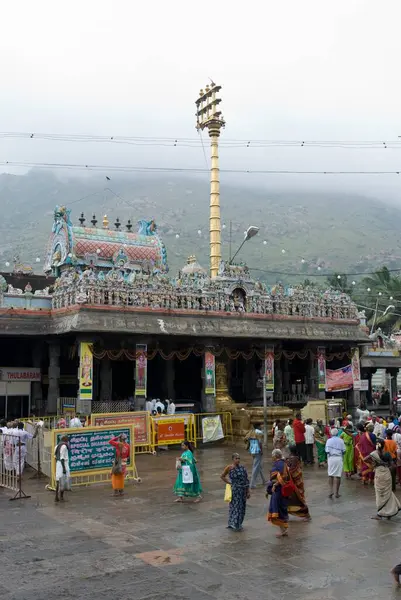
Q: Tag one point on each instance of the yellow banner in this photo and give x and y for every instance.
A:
(85, 372)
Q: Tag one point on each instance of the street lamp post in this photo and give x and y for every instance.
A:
(249, 233)
(209, 116)
(390, 307)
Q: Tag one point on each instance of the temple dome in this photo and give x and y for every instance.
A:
(193, 267)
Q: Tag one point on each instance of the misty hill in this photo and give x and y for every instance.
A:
(337, 231)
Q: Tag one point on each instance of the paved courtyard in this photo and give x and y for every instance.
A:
(144, 546)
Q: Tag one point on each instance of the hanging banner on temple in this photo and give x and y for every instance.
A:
(85, 372)
(269, 369)
(339, 380)
(356, 369)
(210, 374)
(141, 370)
(321, 368)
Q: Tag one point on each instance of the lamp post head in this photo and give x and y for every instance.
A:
(251, 232)
(391, 307)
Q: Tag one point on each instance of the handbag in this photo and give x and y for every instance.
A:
(187, 476)
(117, 467)
(228, 494)
(65, 483)
(288, 489)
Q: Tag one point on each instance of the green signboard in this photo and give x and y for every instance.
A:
(90, 449)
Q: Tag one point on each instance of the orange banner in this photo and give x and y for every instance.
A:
(170, 432)
(140, 422)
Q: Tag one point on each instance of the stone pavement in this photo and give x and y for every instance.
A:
(145, 547)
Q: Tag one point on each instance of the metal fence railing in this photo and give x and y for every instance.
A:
(226, 422)
(12, 462)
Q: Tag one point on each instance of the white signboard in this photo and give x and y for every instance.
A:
(20, 374)
(212, 429)
(363, 385)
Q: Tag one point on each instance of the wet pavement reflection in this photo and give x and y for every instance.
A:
(144, 546)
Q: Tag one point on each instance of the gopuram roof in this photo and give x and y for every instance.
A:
(108, 280)
(87, 245)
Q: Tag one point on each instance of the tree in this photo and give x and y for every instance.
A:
(339, 282)
(383, 297)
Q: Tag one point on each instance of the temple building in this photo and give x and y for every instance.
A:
(188, 337)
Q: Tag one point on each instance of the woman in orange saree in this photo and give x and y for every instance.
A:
(357, 457)
(366, 445)
(296, 502)
(122, 449)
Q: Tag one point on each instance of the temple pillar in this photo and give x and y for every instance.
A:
(106, 379)
(354, 402)
(393, 388)
(37, 394)
(313, 383)
(209, 403)
(54, 377)
(278, 383)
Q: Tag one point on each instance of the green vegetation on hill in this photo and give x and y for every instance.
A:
(340, 232)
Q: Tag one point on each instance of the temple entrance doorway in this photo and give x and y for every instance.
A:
(188, 380)
(295, 378)
(157, 385)
(123, 379)
(236, 379)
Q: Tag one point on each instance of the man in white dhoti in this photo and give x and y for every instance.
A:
(20, 449)
(3, 429)
(61, 453)
(9, 437)
(335, 449)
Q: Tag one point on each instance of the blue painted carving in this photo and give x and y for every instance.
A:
(147, 227)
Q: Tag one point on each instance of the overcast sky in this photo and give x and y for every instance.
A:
(309, 70)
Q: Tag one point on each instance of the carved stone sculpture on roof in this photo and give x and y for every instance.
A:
(13, 290)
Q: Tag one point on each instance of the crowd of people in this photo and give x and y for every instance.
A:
(369, 451)
(13, 445)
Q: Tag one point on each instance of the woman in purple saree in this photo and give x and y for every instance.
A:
(278, 508)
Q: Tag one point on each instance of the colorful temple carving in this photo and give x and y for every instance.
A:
(111, 287)
(103, 248)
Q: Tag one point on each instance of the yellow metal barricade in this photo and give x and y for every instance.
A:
(93, 475)
(172, 429)
(50, 422)
(226, 422)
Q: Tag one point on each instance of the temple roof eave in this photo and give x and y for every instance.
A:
(101, 320)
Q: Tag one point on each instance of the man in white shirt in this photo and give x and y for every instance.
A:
(309, 441)
(379, 430)
(335, 450)
(362, 413)
(170, 407)
(159, 404)
(75, 422)
(62, 456)
(20, 449)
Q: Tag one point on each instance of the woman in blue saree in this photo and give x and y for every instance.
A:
(187, 490)
(278, 508)
(237, 476)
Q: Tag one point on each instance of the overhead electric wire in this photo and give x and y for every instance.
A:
(129, 169)
(307, 275)
(186, 142)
